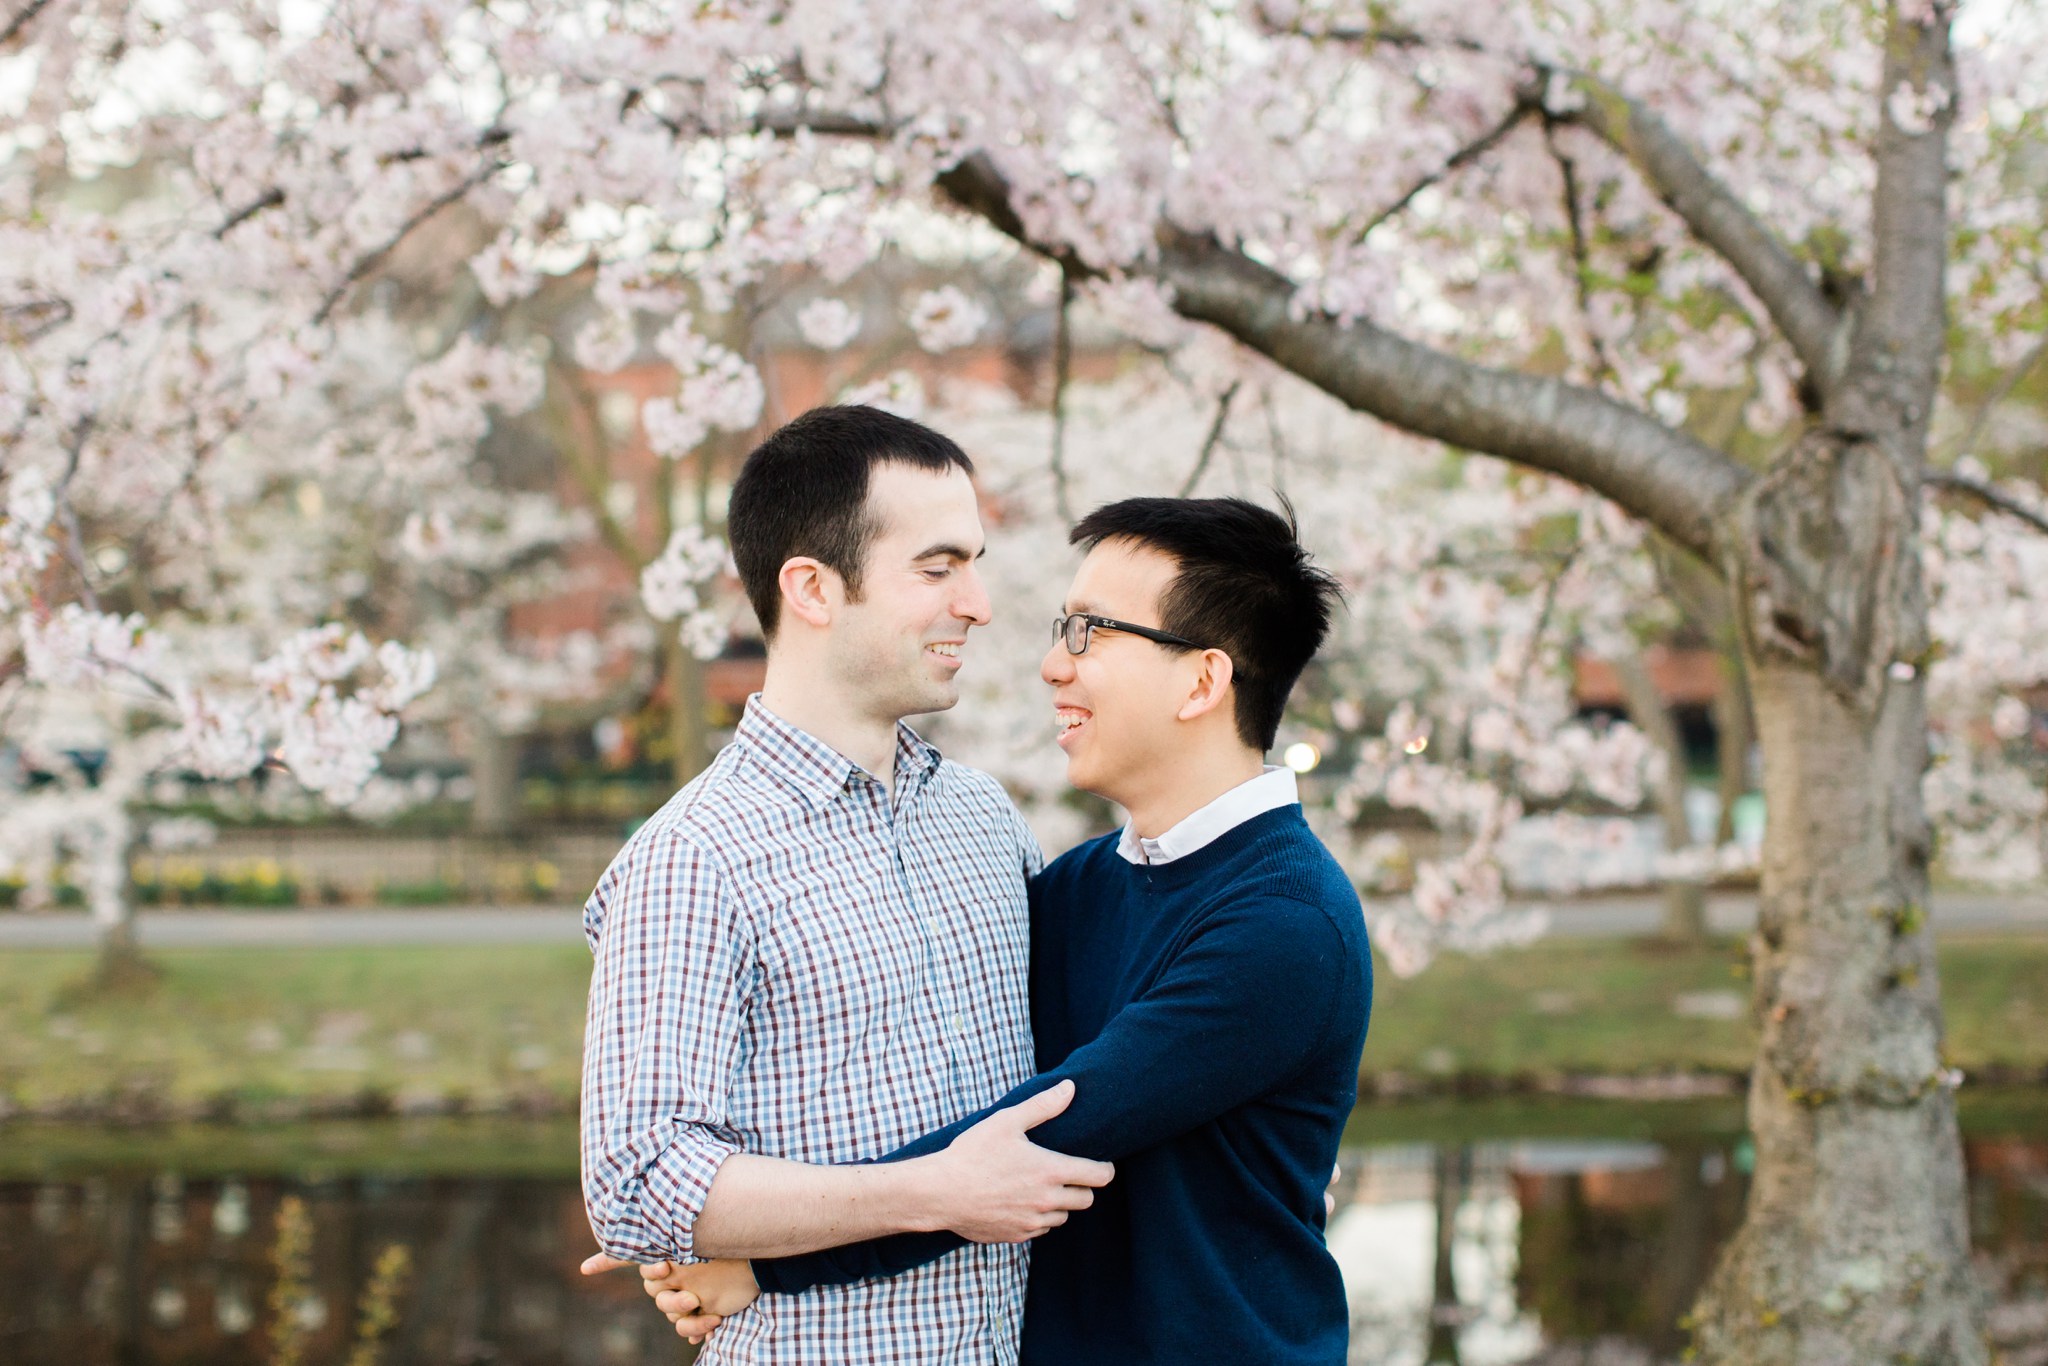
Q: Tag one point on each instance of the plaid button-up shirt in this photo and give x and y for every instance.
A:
(791, 963)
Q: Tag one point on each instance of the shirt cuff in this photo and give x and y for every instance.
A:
(679, 1183)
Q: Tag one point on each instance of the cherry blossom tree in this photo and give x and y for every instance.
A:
(1445, 694)
(1573, 236)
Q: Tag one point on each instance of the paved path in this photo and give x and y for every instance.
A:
(1730, 913)
(1735, 913)
(309, 928)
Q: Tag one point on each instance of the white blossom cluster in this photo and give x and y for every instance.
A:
(899, 392)
(1987, 790)
(25, 545)
(828, 324)
(945, 319)
(677, 586)
(718, 391)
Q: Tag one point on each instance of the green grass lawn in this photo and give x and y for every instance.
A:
(1623, 1007)
(273, 1033)
(262, 1031)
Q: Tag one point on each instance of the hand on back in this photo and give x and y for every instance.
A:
(992, 1184)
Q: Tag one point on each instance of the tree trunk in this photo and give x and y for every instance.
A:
(494, 769)
(1685, 902)
(1453, 1178)
(1679, 1265)
(1733, 735)
(686, 728)
(110, 892)
(1855, 1245)
(1685, 913)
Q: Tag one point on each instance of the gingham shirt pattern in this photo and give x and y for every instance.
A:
(789, 963)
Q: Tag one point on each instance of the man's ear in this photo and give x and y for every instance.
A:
(811, 590)
(1211, 686)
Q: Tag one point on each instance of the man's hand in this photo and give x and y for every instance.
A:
(698, 1297)
(597, 1263)
(994, 1185)
(670, 1287)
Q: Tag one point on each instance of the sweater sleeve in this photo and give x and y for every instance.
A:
(1237, 1012)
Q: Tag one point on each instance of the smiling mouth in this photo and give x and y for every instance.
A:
(1066, 720)
(945, 649)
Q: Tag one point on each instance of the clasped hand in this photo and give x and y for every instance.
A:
(990, 1185)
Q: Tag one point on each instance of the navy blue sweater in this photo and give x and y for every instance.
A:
(1210, 1011)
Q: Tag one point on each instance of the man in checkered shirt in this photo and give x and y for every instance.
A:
(817, 950)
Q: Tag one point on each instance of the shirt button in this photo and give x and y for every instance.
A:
(959, 1024)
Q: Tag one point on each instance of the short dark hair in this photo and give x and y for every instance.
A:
(1245, 587)
(804, 491)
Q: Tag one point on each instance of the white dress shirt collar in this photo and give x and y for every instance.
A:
(1270, 791)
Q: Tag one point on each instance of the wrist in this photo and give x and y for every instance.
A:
(916, 1193)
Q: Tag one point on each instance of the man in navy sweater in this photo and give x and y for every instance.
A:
(1202, 977)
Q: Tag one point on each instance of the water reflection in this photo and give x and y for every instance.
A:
(1492, 1253)
(1552, 1251)
(126, 1269)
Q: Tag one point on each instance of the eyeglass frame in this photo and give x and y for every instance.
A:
(1095, 623)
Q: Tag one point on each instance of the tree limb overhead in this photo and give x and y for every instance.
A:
(1990, 497)
(1902, 333)
(1810, 323)
(1671, 480)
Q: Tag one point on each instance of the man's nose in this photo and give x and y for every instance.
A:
(972, 606)
(1058, 666)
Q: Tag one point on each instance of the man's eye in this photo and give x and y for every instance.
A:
(936, 574)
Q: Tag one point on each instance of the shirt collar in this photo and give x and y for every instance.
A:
(1272, 789)
(799, 759)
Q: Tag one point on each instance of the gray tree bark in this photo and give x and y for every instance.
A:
(687, 733)
(1453, 1178)
(1685, 903)
(494, 769)
(1854, 1247)
(1733, 735)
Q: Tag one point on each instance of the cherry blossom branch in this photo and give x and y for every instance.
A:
(583, 433)
(160, 691)
(1987, 495)
(74, 536)
(275, 197)
(58, 311)
(1651, 714)
(1812, 325)
(371, 260)
(1062, 373)
(1367, 35)
(1551, 588)
(1210, 442)
(1668, 478)
(2000, 391)
(22, 18)
(269, 199)
(1463, 157)
(1582, 261)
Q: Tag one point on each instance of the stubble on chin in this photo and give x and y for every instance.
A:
(918, 694)
(937, 697)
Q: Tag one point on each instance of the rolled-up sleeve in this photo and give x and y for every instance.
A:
(675, 967)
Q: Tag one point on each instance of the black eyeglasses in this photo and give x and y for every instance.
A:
(1073, 628)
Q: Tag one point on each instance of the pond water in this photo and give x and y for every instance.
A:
(1477, 1233)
